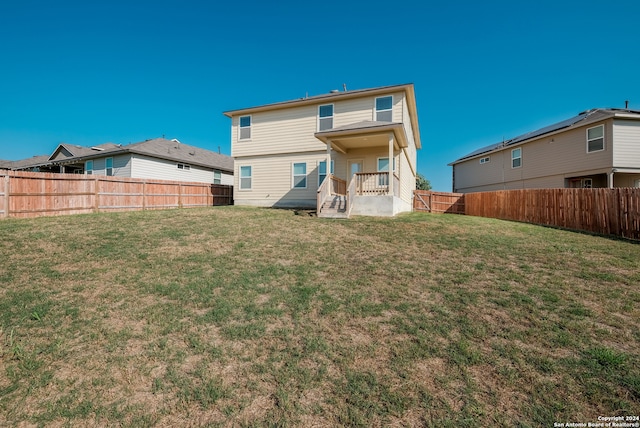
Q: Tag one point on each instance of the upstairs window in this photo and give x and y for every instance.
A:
(516, 158)
(88, 167)
(325, 117)
(109, 166)
(595, 139)
(384, 109)
(184, 166)
(299, 176)
(485, 160)
(245, 127)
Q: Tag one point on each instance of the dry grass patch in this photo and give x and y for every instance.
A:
(252, 317)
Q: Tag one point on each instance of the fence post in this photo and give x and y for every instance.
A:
(96, 195)
(144, 195)
(180, 195)
(7, 187)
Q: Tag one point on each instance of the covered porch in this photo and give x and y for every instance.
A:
(367, 181)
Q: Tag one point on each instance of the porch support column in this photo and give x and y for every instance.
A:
(390, 192)
(328, 171)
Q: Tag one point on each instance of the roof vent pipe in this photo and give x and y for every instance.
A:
(626, 105)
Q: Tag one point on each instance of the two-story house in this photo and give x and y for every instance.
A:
(596, 148)
(344, 152)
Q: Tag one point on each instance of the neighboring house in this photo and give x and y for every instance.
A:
(330, 152)
(596, 148)
(158, 158)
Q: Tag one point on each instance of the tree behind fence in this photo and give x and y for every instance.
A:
(602, 211)
(31, 194)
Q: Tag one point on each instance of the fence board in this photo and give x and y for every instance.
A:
(602, 211)
(31, 194)
(438, 202)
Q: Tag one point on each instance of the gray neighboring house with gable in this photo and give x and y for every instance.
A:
(596, 148)
(157, 158)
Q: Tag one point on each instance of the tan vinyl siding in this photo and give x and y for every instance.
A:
(291, 130)
(271, 180)
(560, 155)
(626, 151)
(407, 179)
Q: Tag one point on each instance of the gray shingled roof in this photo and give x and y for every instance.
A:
(158, 148)
(173, 150)
(581, 119)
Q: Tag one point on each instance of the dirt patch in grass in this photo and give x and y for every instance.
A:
(248, 317)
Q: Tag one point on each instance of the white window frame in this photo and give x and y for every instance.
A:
(381, 180)
(326, 118)
(108, 170)
(217, 177)
(240, 177)
(594, 139)
(240, 128)
(88, 170)
(184, 166)
(519, 149)
(294, 175)
(485, 159)
(325, 171)
(587, 183)
(376, 111)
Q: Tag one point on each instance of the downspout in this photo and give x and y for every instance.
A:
(610, 178)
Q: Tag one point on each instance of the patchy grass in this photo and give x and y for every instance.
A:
(251, 317)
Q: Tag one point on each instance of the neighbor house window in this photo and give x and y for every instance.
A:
(485, 160)
(595, 139)
(245, 127)
(325, 117)
(217, 177)
(383, 109)
(322, 171)
(184, 166)
(516, 158)
(299, 175)
(88, 167)
(587, 183)
(636, 183)
(245, 177)
(109, 166)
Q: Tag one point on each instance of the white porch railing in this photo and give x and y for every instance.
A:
(331, 185)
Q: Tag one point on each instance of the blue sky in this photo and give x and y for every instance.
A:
(89, 72)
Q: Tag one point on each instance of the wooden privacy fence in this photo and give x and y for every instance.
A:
(603, 211)
(438, 202)
(32, 194)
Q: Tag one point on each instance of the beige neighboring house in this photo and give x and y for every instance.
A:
(341, 153)
(596, 148)
(158, 158)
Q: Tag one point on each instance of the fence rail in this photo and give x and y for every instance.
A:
(438, 202)
(31, 194)
(603, 211)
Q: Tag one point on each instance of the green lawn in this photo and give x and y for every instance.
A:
(232, 316)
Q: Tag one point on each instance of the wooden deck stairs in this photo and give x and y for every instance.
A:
(335, 206)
